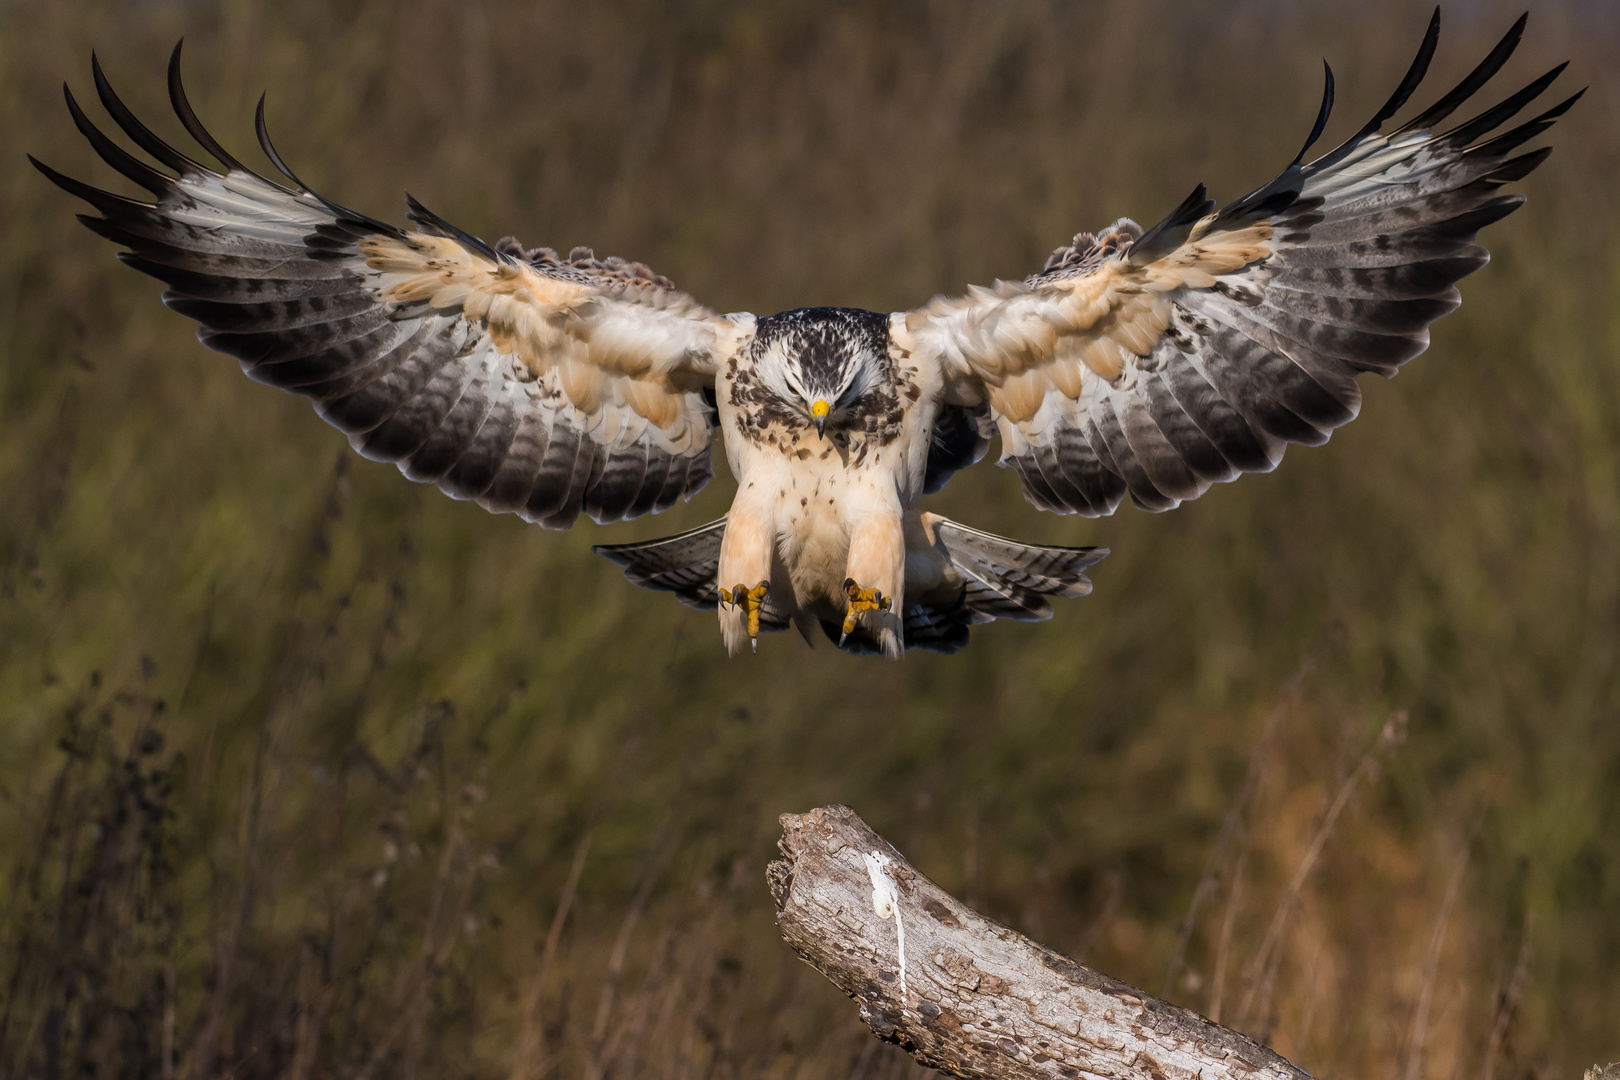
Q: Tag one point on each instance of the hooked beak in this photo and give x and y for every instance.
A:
(818, 413)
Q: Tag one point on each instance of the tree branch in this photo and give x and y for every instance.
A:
(972, 998)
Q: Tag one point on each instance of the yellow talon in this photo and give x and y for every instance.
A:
(861, 600)
(751, 599)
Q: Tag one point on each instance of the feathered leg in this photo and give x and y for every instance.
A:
(877, 573)
(745, 571)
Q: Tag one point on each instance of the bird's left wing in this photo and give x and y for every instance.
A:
(1158, 363)
(533, 384)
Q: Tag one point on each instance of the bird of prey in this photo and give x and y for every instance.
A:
(1142, 362)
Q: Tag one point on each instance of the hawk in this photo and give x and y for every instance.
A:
(1143, 362)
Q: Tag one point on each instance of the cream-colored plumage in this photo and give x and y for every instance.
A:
(814, 512)
(1152, 364)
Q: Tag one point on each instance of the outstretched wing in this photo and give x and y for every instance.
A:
(533, 384)
(1159, 363)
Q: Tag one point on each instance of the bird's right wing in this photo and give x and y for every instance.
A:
(532, 384)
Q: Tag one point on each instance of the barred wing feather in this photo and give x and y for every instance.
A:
(1156, 364)
(533, 384)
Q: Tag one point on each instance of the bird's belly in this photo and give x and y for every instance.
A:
(815, 506)
(813, 531)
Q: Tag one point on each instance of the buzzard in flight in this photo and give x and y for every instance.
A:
(1150, 363)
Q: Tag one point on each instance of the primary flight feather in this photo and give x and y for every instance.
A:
(1143, 363)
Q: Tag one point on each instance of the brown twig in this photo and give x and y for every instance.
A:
(1234, 829)
(1431, 968)
(1261, 968)
(1508, 1002)
(1223, 946)
(530, 1046)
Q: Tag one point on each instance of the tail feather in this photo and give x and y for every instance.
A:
(995, 578)
(686, 564)
(1007, 579)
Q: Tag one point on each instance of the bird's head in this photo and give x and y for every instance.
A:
(821, 360)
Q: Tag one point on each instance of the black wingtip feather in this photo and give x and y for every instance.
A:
(263, 132)
(1520, 167)
(1466, 226)
(1409, 83)
(437, 225)
(1525, 132)
(1281, 192)
(113, 154)
(1491, 118)
(101, 200)
(188, 117)
(1166, 235)
(1322, 114)
(1475, 79)
(1562, 107)
(138, 132)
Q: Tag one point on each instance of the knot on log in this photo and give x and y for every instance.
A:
(970, 997)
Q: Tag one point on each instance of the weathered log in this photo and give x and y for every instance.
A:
(966, 996)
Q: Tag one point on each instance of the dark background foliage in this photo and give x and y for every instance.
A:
(308, 771)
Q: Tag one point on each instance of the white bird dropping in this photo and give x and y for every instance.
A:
(886, 902)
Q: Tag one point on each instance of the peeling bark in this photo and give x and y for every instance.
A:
(975, 999)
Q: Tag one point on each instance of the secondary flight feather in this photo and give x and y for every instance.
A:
(1149, 363)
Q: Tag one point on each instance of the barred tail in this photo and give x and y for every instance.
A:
(993, 578)
(1006, 579)
(686, 564)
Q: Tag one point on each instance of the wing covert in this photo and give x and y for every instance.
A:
(1157, 363)
(534, 384)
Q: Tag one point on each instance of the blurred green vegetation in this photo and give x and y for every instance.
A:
(296, 756)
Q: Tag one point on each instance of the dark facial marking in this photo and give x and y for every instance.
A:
(825, 344)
